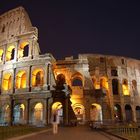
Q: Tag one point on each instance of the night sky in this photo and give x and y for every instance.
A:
(71, 27)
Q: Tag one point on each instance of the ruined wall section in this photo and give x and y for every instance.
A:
(13, 23)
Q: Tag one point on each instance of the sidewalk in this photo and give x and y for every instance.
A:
(30, 135)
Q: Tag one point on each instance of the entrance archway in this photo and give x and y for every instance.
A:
(117, 112)
(19, 112)
(128, 113)
(96, 113)
(57, 111)
(38, 113)
(79, 111)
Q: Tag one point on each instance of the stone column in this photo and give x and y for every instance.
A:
(11, 111)
(28, 111)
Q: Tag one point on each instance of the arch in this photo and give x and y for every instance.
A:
(5, 115)
(134, 87)
(138, 113)
(37, 77)
(115, 86)
(125, 87)
(104, 83)
(10, 53)
(117, 112)
(76, 81)
(19, 114)
(128, 113)
(23, 49)
(21, 80)
(7, 81)
(79, 111)
(37, 115)
(1, 55)
(57, 112)
(96, 112)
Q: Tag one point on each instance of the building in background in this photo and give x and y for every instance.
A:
(94, 87)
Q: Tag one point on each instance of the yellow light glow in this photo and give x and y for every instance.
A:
(97, 106)
(7, 82)
(125, 89)
(37, 77)
(104, 83)
(80, 107)
(22, 106)
(38, 106)
(7, 107)
(9, 52)
(21, 80)
(21, 49)
(1, 54)
(56, 106)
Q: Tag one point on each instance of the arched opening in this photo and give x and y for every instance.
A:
(37, 77)
(57, 112)
(5, 115)
(96, 113)
(117, 112)
(115, 86)
(10, 53)
(138, 113)
(128, 113)
(104, 84)
(77, 82)
(1, 55)
(125, 87)
(79, 111)
(7, 82)
(134, 87)
(38, 113)
(19, 114)
(23, 49)
(21, 80)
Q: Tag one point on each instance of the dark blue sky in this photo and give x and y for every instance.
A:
(71, 27)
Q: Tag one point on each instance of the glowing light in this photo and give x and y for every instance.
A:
(9, 52)
(1, 54)
(21, 79)
(104, 83)
(7, 82)
(125, 88)
(22, 106)
(21, 49)
(37, 77)
(56, 106)
(38, 106)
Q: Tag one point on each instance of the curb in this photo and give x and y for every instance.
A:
(123, 138)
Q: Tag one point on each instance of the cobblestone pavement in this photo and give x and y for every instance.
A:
(72, 133)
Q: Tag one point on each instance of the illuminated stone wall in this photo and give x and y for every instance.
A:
(104, 88)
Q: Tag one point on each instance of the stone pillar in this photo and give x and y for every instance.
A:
(28, 111)
(48, 76)
(134, 113)
(110, 98)
(12, 111)
(45, 76)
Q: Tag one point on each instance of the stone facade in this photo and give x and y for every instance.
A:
(103, 88)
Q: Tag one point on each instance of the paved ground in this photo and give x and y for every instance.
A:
(72, 133)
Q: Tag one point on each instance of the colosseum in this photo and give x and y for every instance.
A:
(36, 87)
